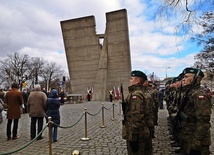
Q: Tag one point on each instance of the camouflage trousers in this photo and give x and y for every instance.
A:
(186, 146)
(139, 147)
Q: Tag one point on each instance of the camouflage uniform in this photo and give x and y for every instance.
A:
(154, 94)
(195, 132)
(135, 130)
(172, 103)
(150, 117)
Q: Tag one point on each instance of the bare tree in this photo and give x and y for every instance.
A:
(205, 59)
(23, 69)
(14, 68)
(52, 74)
(187, 11)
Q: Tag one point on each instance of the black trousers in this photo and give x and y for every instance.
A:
(33, 126)
(89, 97)
(111, 98)
(15, 127)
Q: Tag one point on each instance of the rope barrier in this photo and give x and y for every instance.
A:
(11, 152)
(108, 108)
(50, 123)
(69, 126)
(95, 113)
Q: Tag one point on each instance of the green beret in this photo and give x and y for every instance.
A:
(138, 74)
(175, 79)
(168, 82)
(181, 76)
(193, 71)
(152, 83)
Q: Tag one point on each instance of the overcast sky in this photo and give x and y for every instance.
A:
(33, 28)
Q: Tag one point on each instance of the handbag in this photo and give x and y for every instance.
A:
(3, 113)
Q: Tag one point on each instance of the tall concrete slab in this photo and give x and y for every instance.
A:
(94, 65)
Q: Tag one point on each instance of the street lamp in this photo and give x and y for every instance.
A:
(166, 71)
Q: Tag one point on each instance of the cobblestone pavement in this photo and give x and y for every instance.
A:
(105, 137)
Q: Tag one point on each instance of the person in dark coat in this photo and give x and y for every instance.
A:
(14, 100)
(25, 97)
(160, 98)
(62, 96)
(111, 95)
(89, 94)
(52, 106)
(44, 91)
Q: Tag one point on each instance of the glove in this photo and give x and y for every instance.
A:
(194, 152)
(134, 146)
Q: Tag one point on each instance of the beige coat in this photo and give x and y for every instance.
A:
(37, 104)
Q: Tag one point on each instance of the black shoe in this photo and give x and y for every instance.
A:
(55, 140)
(31, 138)
(15, 138)
(175, 145)
(39, 138)
(178, 151)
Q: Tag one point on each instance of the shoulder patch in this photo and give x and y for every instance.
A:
(200, 97)
(134, 97)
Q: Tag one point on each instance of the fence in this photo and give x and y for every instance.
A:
(85, 138)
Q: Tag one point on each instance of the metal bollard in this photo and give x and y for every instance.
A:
(85, 138)
(119, 109)
(102, 126)
(75, 152)
(50, 135)
(113, 112)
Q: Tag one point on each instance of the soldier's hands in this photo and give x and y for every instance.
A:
(134, 146)
(133, 136)
(194, 152)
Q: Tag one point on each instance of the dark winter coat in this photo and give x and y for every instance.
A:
(52, 106)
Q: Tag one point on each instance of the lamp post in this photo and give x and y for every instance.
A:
(166, 71)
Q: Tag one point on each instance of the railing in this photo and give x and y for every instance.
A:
(85, 138)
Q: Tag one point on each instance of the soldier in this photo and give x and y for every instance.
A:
(135, 130)
(150, 117)
(167, 93)
(89, 94)
(161, 98)
(195, 111)
(174, 126)
(154, 94)
(111, 95)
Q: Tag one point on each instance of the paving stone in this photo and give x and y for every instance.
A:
(103, 141)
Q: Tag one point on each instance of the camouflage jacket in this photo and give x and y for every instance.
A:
(135, 127)
(197, 110)
(154, 94)
(172, 101)
(147, 91)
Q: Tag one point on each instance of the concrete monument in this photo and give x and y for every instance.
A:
(101, 66)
